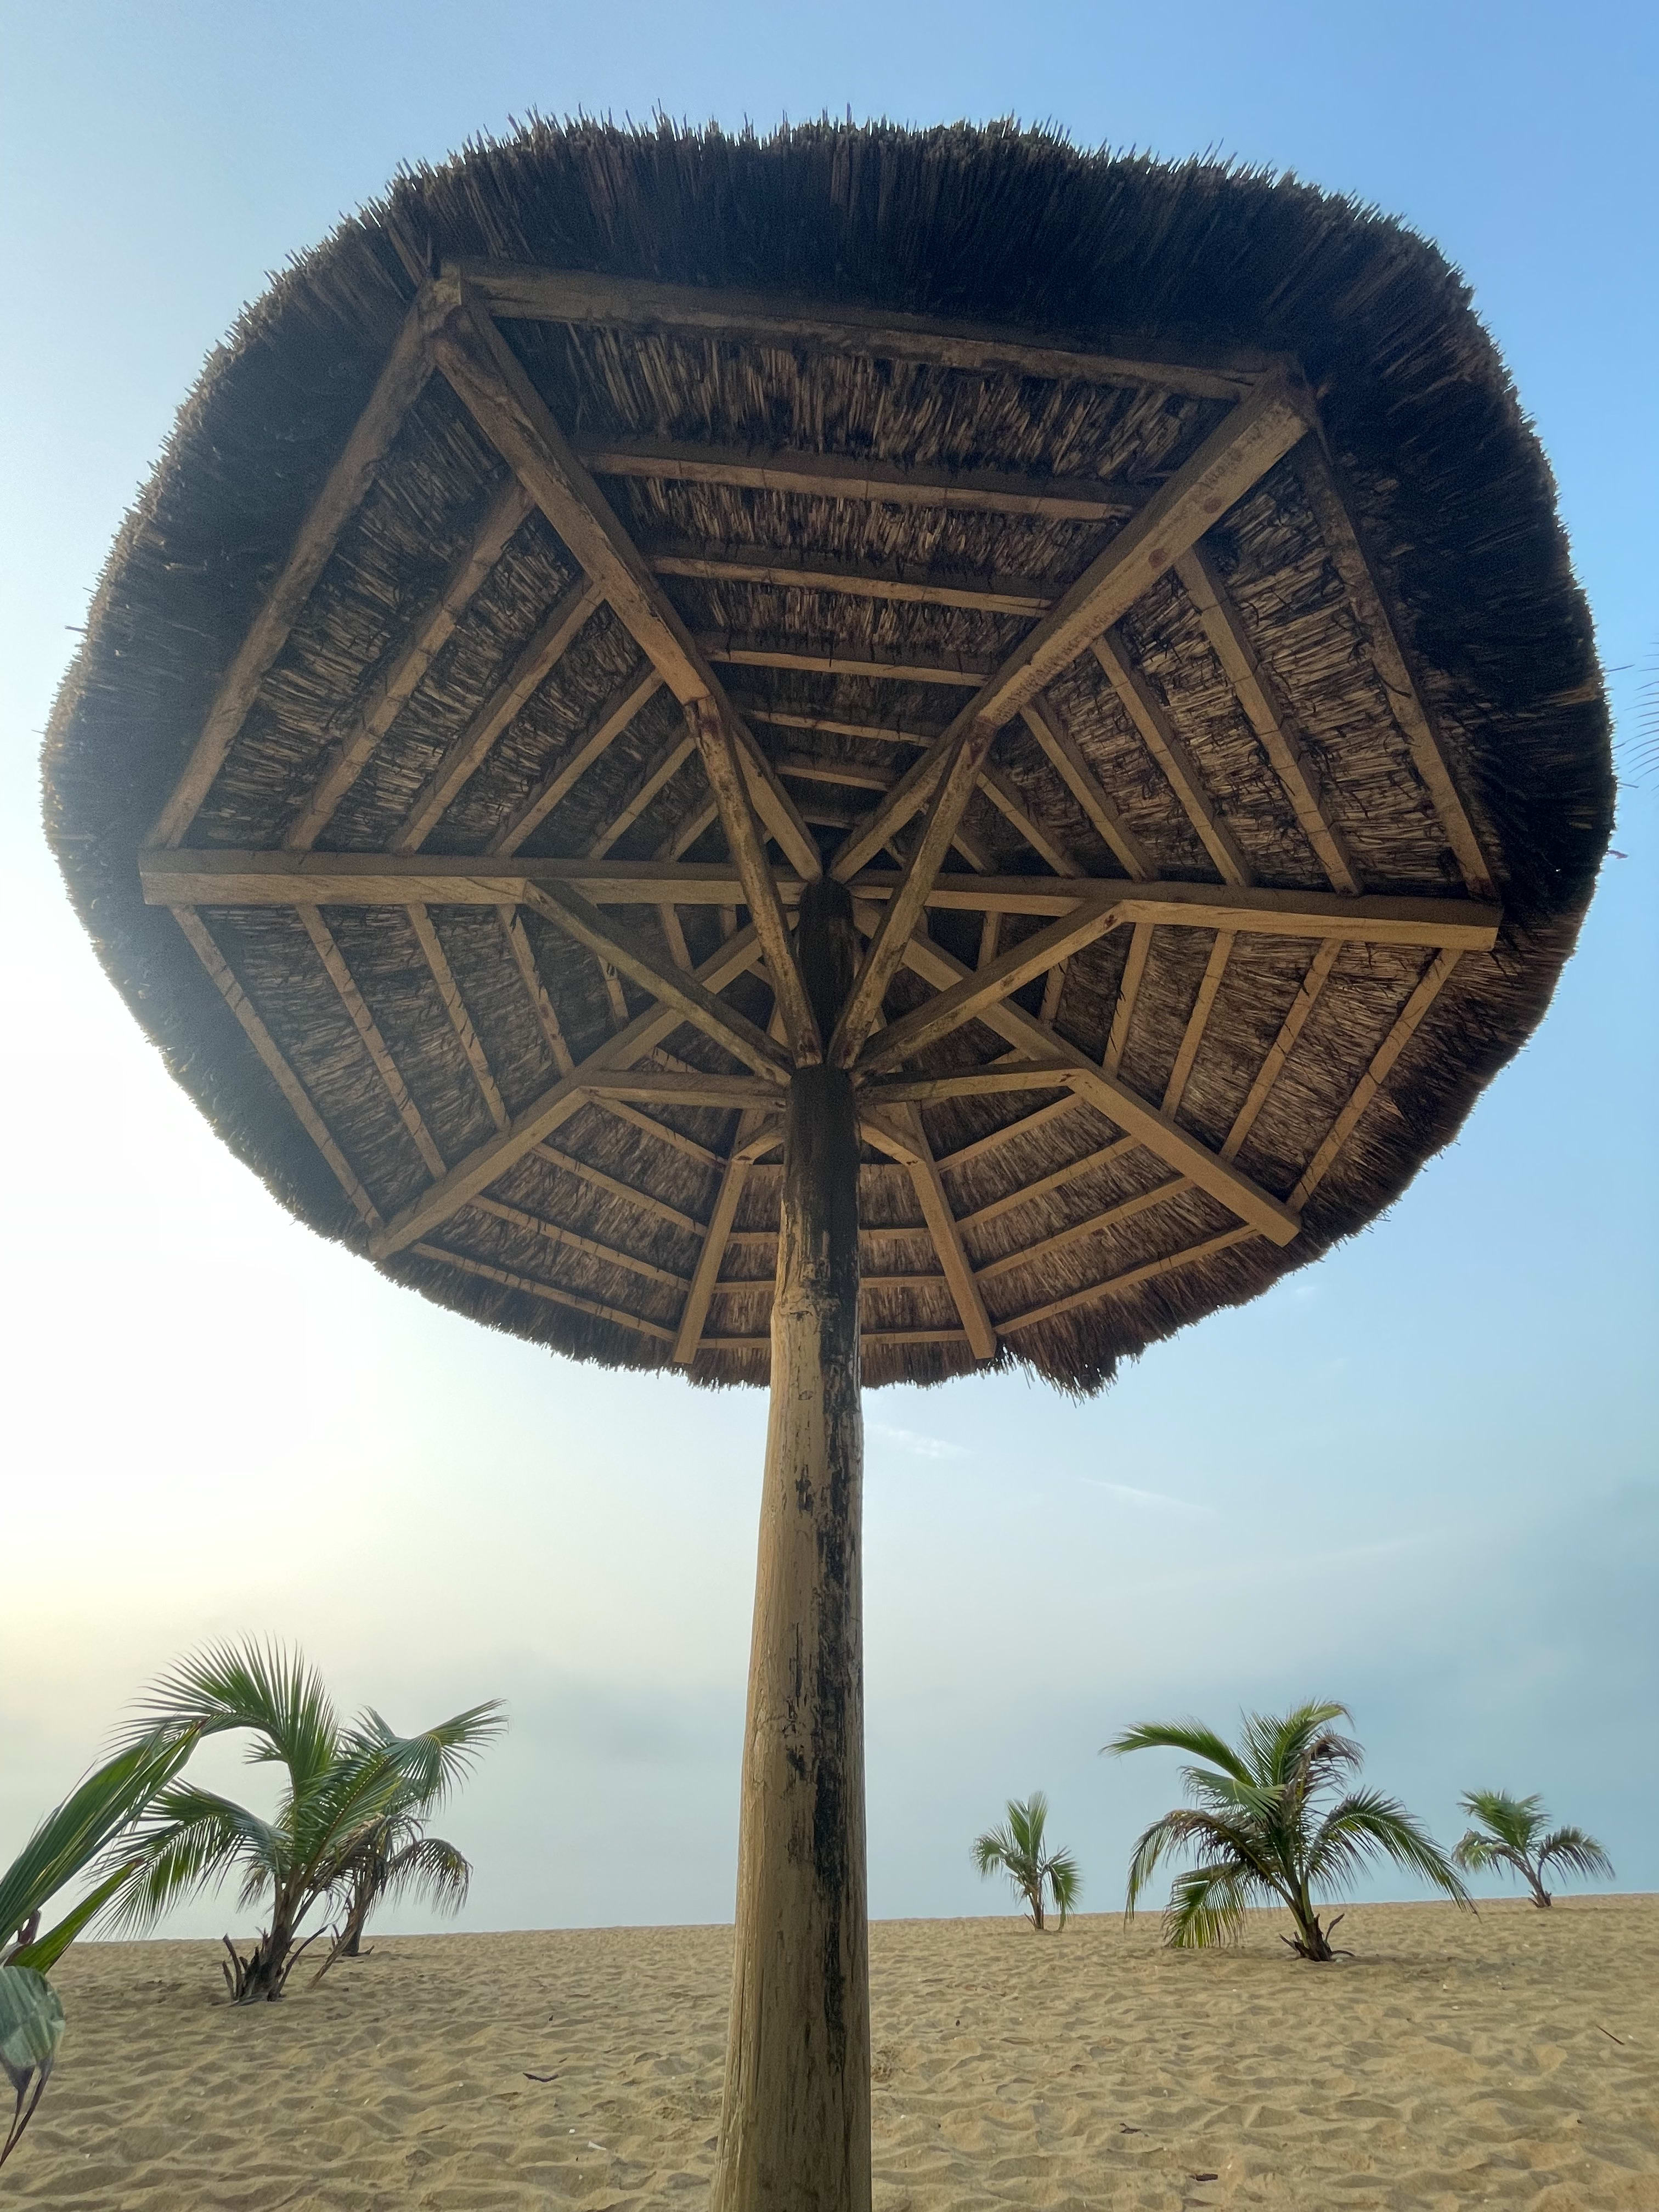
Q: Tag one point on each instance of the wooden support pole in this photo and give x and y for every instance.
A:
(795, 2121)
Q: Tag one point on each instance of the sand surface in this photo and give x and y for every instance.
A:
(1504, 2061)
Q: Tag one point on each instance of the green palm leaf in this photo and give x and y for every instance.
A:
(31, 2029)
(352, 1800)
(73, 1833)
(1574, 1851)
(272, 1693)
(1254, 1827)
(1509, 1833)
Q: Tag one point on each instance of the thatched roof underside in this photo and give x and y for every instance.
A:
(1331, 773)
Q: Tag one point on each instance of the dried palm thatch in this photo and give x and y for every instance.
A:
(381, 783)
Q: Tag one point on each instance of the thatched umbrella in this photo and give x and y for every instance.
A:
(1119, 613)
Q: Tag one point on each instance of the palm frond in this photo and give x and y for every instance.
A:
(995, 1852)
(1576, 1853)
(274, 1693)
(97, 1809)
(1207, 1905)
(1513, 1820)
(1364, 1823)
(1190, 1736)
(431, 1868)
(1180, 1830)
(1302, 1745)
(1065, 1880)
(1478, 1854)
(193, 1838)
(435, 1762)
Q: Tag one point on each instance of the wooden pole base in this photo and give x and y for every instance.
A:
(795, 2128)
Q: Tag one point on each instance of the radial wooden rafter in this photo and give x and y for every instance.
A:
(448, 329)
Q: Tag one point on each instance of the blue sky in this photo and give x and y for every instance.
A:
(1421, 1477)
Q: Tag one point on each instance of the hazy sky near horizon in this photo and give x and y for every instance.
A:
(1421, 1477)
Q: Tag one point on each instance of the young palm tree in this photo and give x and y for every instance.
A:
(1259, 1835)
(396, 1857)
(340, 1786)
(1510, 1833)
(70, 1837)
(1018, 1850)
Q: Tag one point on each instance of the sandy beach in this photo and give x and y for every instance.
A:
(1507, 2060)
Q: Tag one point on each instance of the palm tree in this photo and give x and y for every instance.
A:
(340, 1786)
(396, 1857)
(1016, 1849)
(72, 1834)
(1257, 1831)
(1510, 1833)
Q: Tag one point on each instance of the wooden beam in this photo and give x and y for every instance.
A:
(1054, 989)
(968, 1082)
(555, 1105)
(1055, 1180)
(490, 382)
(738, 1286)
(1113, 1217)
(1269, 717)
(1303, 1004)
(996, 788)
(1149, 1271)
(721, 747)
(1192, 1035)
(994, 1140)
(368, 1030)
(1180, 770)
(846, 776)
(840, 476)
(455, 1006)
(685, 833)
(1427, 750)
(615, 994)
(731, 650)
(398, 387)
(1237, 452)
(1128, 990)
(868, 1338)
(734, 1174)
(677, 1139)
(471, 747)
(597, 1179)
(663, 1086)
(1080, 779)
(549, 1292)
(690, 1000)
(225, 878)
(981, 988)
(832, 725)
(957, 770)
(1014, 809)
(909, 583)
(1135, 1116)
(534, 1224)
(562, 776)
(653, 781)
(201, 942)
(524, 958)
(400, 673)
(900, 1133)
(766, 318)
(1434, 978)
